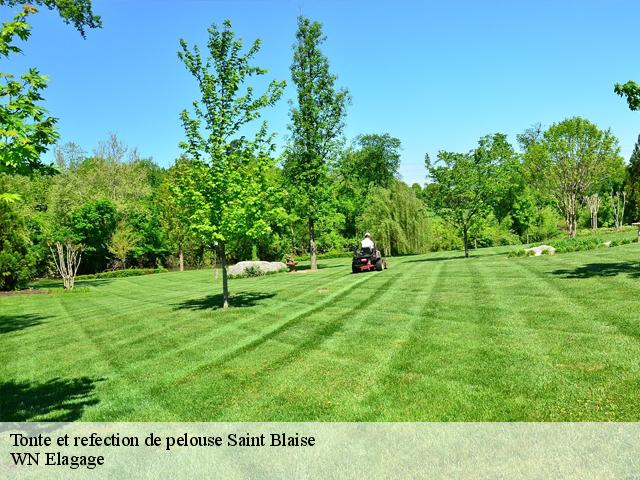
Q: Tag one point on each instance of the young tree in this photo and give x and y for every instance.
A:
(67, 257)
(122, 242)
(317, 121)
(572, 161)
(173, 216)
(618, 203)
(462, 187)
(593, 202)
(224, 190)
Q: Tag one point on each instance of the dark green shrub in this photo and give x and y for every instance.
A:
(17, 261)
(253, 271)
(130, 272)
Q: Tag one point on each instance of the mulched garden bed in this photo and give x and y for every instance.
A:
(33, 291)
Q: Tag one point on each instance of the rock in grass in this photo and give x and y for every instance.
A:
(537, 251)
(240, 268)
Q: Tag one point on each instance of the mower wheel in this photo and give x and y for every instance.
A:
(379, 265)
(355, 269)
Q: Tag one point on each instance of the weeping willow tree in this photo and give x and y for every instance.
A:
(396, 219)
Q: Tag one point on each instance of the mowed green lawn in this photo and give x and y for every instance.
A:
(434, 338)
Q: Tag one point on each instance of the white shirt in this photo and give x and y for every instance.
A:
(367, 243)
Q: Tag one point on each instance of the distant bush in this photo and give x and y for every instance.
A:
(256, 271)
(130, 272)
(253, 271)
(548, 224)
(577, 244)
(17, 261)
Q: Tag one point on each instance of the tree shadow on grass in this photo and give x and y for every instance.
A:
(57, 400)
(590, 270)
(214, 302)
(12, 323)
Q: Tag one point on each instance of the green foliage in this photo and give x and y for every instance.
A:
(577, 244)
(92, 226)
(16, 258)
(225, 191)
(546, 224)
(75, 12)
(462, 185)
(26, 131)
(172, 217)
(573, 159)
(317, 121)
(631, 91)
(123, 240)
(443, 236)
(374, 160)
(396, 219)
(253, 271)
(489, 232)
(633, 185)
(129, 272)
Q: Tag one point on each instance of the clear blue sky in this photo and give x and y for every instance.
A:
(438, 75)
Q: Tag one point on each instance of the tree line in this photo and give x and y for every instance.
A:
(230, 196)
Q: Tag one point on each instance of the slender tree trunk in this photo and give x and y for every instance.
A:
(223, 265)
(181, 258)
(293, 241)
(312, 245)
(465, 240)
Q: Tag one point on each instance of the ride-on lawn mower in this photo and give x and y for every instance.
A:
(366, 260)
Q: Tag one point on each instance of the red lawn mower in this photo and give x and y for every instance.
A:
(367, 259)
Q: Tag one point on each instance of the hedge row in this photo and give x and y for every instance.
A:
(576, 245)
(130, 272)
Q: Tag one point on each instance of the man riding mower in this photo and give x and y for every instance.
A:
(368, 257)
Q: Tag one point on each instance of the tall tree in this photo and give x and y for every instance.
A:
(173, 216)
(396, 218)
(26, 130)
(374, 160)
(572, 161)
(633, 184)
(317, 122)
(225, 188)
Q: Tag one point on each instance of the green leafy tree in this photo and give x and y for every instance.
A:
(17, 261)
(317, 122)
(225, 188)
(122, 242)
(462, 186)
(374, 161)
(26, 130)
(631, 91)
(72, 12)
(572, 161)
(92, 226)
(173, 216)
(633, 184)
(396, 219)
